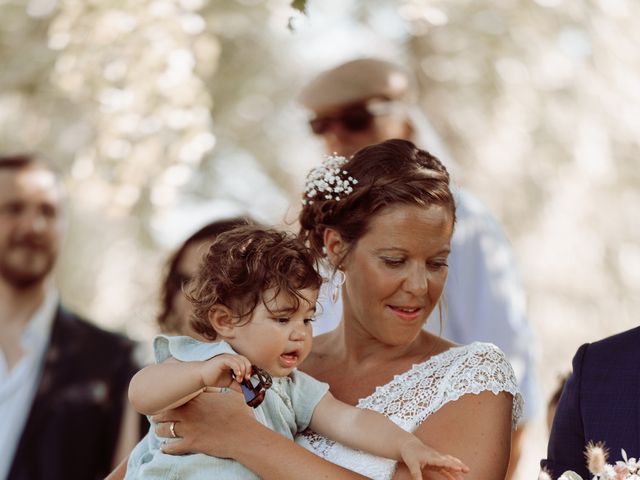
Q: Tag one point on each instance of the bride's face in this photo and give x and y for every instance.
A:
(397, 272)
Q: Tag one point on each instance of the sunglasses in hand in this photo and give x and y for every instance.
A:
(254, 394)
(354, 118)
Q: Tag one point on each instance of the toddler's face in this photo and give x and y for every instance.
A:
(278, 339)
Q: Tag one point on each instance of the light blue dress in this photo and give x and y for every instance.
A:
(286, 409)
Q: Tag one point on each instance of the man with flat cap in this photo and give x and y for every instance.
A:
(368, 100)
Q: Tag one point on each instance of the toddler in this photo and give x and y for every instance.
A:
(254, 297)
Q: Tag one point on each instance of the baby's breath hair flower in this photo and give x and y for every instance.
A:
(328, 181)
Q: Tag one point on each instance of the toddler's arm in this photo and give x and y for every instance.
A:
(172, 383)
(374, 433)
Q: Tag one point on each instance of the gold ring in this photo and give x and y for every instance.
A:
(172, 429)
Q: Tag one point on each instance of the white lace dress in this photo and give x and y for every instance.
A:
(412, 396)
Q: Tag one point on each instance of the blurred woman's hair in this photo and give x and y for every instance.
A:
(175, 280)
(554, 399)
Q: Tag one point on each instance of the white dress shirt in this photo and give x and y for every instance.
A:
(18, 386)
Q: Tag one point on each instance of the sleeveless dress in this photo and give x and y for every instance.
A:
(412, 396)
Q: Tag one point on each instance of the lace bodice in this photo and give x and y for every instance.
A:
(412, 396)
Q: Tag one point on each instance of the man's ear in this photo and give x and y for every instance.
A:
(335, 246)
(222, 320)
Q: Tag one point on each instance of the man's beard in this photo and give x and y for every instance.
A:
(28, 267)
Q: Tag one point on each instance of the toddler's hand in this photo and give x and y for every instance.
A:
(418, 456)
(215, 371)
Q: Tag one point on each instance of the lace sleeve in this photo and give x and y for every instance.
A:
(485, 368)
(411, 397)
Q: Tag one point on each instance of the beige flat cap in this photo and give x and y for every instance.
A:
(354, 81)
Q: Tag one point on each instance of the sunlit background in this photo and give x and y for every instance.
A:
(165, 114)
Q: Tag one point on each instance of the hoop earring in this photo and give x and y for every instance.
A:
(338, 281)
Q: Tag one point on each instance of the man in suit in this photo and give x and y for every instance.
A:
(600, 403)
(63, 381)
(369, 100)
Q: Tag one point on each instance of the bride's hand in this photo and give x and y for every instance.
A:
(211, 423)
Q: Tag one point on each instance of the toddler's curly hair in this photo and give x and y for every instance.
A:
(241, 265)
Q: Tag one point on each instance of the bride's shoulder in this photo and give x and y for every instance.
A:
(479, 352)
(479, 367)
(484, 351)
(471, 368)
(446, 353)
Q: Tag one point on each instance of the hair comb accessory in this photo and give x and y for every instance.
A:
(254, 394)
(328, 181)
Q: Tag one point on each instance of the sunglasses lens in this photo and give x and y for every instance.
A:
(353, 119)
(357, 119)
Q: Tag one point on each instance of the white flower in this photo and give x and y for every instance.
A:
(626, 469)
(329, 179)
(570, 475)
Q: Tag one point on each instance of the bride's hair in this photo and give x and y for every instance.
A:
(387, 173)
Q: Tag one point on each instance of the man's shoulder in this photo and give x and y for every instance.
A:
(614, 356)
(618, 345)
(71, 324)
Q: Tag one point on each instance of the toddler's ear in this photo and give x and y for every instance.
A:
(222, 320)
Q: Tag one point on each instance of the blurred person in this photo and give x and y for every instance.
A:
(367, 100)
(181, 268)
(599, 403)
(552, 405)
(63, 381)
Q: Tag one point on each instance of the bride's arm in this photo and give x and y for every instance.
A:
(222, 425)
(474, 428)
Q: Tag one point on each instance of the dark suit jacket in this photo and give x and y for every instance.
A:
(73, 425)
(600, 402)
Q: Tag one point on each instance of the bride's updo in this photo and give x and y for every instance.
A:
(346, 195)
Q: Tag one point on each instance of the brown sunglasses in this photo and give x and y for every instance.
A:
(254, 394)
(354, 118)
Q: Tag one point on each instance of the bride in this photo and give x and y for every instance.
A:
(383, 220)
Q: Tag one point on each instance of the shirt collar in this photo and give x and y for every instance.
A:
(39, 326)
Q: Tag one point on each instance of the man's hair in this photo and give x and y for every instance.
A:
(241, 265)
